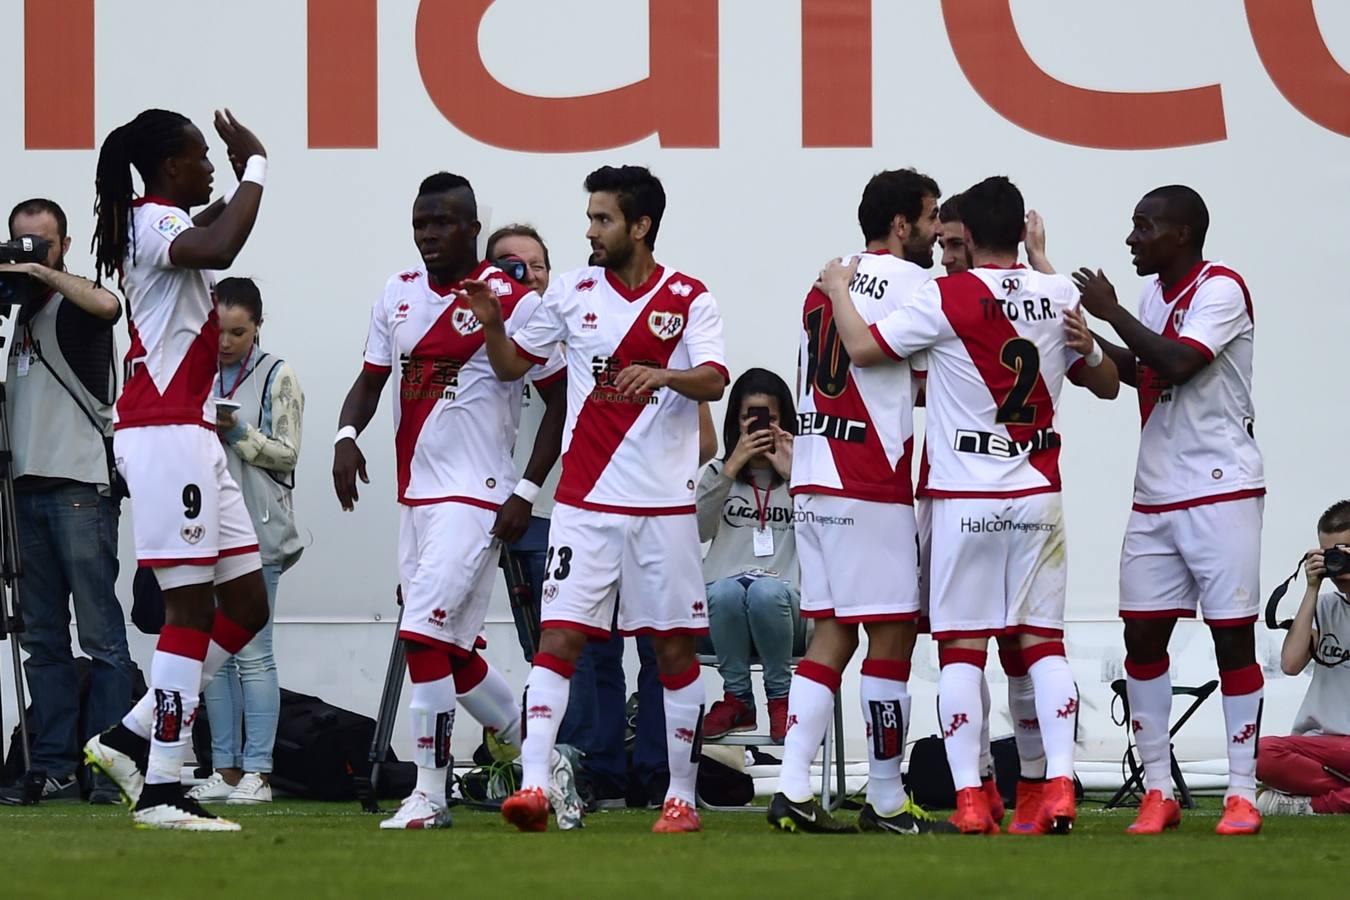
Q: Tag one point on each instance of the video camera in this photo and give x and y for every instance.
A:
(16, 288)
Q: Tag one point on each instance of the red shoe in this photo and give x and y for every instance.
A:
(677, 816)
(996, 808)
(1239, 817)
(527, 809)
(1058, 804)
(1156, 815)
(777, 719)
(727, 715)
(1029, 814)
(972, 813)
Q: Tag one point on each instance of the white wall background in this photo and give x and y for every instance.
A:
(754, 219)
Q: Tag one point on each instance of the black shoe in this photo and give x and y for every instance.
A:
(102, 791)
(809, 816)
(903, 822)
(67, 788)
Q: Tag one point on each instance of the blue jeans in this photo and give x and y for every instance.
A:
(754, 616)
(578, 722)
(245, 695)
(607, 756)
(68, 541)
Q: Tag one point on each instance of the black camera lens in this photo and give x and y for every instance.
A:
(514, 267)
(1336, 560)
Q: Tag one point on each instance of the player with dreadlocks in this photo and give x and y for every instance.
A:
(191, 526)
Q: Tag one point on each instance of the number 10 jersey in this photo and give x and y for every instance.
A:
(997, 359)
(855, 428)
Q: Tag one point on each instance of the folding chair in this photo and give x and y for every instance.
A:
(1128, 795)
(831, 796)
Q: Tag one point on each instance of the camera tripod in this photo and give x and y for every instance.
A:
(11, 607)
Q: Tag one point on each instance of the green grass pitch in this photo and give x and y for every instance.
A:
(306, 850)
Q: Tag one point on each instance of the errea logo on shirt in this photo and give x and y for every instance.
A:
(666, 325)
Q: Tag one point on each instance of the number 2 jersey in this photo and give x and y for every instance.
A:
(1198, 440)
(996, 361)
(855, 425)
(630, 455)
(454, 421)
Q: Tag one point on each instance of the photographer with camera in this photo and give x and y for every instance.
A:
(1308, 772)
(61, 388)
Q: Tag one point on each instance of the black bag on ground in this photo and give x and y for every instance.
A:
(929, 779)
(721, 785)
(320, 747)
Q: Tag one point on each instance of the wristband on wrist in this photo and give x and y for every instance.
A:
(255, 170)
(346, 432)
(1094, 359)
(526, 490)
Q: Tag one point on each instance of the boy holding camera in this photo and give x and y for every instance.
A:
(1308, 772)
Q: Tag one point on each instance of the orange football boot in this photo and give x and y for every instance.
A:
(1058, 804)
(996, 809)
(1239, 817)
(1029, 813)
(677, 816)
(1156, 815)
(972, 813)
(527, 809)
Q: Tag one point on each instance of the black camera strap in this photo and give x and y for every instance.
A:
(1271, 608)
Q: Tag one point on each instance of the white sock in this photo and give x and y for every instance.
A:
(1026, 727)
(1056, 706)
(1148, 686)
(810, 706)
(140, 717)
(885, 707)
(1243, 693)
(960, 715)
(494, 706)
(986, 751)
(683, 699)
(175, 677)
(432, 717)
(545, 702)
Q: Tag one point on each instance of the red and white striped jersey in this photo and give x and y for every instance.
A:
(632, 455)
(454, 422)
(1198, 440)
(174, 351)
(855, 425)
(996, 361)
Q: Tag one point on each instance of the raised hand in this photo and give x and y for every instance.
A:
(781, 454)
(1076, 334)
(240, 142)
(1099, 295)
(487, 309)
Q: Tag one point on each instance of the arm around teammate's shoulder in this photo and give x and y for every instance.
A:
(862, 346)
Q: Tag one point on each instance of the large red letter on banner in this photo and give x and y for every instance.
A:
(836, 73)
(677, 101)
(58, 74)
(343, 73)
(997, 65)
(1297, 59)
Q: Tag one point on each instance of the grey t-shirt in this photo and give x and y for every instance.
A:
(1326, 706)
(728, 516)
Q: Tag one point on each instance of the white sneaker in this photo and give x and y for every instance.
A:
(212, 790)
(1278, 803)
(562, 789)
(120, 768)
(418, 811)
(181, 815)
(250, 789)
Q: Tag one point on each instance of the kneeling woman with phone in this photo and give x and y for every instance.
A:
(751, 566)
(259, 406)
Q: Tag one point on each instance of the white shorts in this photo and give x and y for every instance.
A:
(859, 559)
(1204, 557)
(447, 561)
(998, 566)
(186, 509)
(923, 518)
(651, 564)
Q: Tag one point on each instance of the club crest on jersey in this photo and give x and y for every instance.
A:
(465, 322)
(193, 533)
(1178, 319)
(499, 286)
(666, 325)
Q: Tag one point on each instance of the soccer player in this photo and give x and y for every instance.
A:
(1194, 535)
(644, 347)
(1021, 694)
(854, 511)
(1000, 339)
(455, 424)
(191, 525)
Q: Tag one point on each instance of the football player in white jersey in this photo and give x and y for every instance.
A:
(455, 425)
(644, 348)
(191, 526)
(1000, 339)
(1194, 535)
(854, 495)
